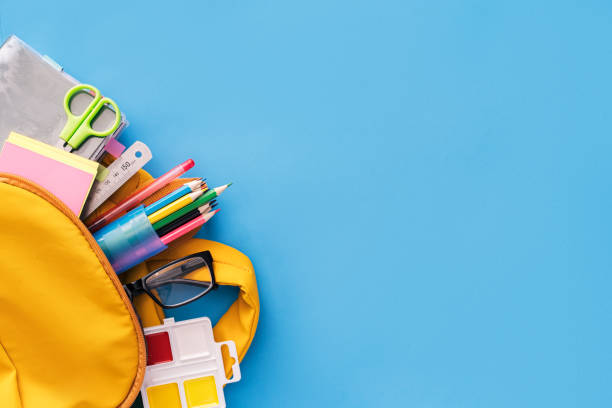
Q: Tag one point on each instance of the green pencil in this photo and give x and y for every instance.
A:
(200, 201)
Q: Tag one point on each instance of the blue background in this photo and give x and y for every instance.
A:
(423, 186)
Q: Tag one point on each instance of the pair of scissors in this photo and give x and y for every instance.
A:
(78, 127)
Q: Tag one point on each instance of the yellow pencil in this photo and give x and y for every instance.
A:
(174, 206)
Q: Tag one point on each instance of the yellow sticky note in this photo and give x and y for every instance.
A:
(201, 392)
(44, 149)
(164, 396)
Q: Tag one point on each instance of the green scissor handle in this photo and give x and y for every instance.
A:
(78, 128)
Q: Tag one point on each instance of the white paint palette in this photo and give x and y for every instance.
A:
(185, 366)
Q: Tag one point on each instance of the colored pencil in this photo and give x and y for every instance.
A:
(186, 218)
(136, 198)
(175, 206)
(175, 195)
(186, 228)
(206, 197)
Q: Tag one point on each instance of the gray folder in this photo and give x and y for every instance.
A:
(32, 90)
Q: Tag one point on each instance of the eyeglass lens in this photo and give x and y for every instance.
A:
(180, 282)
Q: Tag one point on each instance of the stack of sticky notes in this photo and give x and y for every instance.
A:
(67, 176)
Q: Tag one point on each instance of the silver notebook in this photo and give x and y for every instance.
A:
(32, 90)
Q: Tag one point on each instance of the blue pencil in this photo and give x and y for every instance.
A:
(176, 194)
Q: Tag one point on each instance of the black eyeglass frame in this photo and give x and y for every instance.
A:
(135, 288)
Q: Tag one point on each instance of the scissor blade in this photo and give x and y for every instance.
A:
(64, 146)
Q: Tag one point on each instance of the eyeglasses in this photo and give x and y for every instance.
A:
(177, 283)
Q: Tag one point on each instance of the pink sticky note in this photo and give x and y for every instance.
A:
(114, 148)
(69, 184)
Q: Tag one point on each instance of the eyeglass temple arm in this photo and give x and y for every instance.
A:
(133, 288)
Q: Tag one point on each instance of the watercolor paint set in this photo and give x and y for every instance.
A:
(185, 366)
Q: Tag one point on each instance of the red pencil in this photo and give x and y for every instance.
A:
(185, 228)
(136, 198)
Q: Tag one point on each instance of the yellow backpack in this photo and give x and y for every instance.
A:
(69, 335)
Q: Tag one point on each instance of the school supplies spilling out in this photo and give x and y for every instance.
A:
(185, 366)
(136, 198)
(132, 238)
(118, 173)
(31, 100)
(69, 177)
(65, 140)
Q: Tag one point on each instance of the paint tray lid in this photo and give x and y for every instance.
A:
(185, 365)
